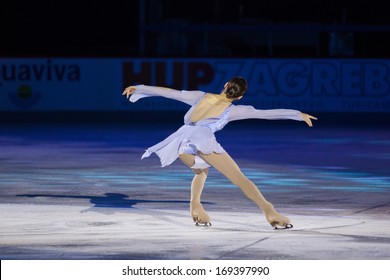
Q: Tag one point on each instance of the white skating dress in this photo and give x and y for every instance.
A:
(194, 137)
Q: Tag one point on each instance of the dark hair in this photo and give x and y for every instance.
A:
(236, 87)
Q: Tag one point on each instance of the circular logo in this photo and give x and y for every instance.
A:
(25, 97)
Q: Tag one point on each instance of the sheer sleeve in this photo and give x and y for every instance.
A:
(242, 112)
(188, 97)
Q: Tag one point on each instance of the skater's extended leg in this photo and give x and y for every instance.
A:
(198, 213)
(228, 167)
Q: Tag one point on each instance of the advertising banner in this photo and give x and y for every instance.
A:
(312, 85)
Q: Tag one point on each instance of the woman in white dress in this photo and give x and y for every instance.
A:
(195, 143)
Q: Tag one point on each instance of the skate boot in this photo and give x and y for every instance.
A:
(276, 220)
(199, 215)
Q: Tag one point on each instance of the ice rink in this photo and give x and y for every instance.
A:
(80, 191)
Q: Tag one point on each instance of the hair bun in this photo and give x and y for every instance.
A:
(230, 92)
(236, 87)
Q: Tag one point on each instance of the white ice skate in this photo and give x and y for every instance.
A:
(199, 215)
(276, 220)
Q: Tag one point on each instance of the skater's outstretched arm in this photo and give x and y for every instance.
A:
(242, 112)
(141, 91)
(307, 118)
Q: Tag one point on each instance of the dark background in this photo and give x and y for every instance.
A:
(200, 28)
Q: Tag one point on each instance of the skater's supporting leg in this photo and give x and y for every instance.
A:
(199, 178)
(197, 185)
(228, 167)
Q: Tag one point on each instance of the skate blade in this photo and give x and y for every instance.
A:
(202, 224)
(278, 226)
(199, 222)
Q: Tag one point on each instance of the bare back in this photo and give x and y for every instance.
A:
(210, 106)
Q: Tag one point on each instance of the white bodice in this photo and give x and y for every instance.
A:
(214, 124)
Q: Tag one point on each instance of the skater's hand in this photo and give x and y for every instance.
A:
(307, 118)
(129, 91)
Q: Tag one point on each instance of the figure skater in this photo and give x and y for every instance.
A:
(195, 143)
